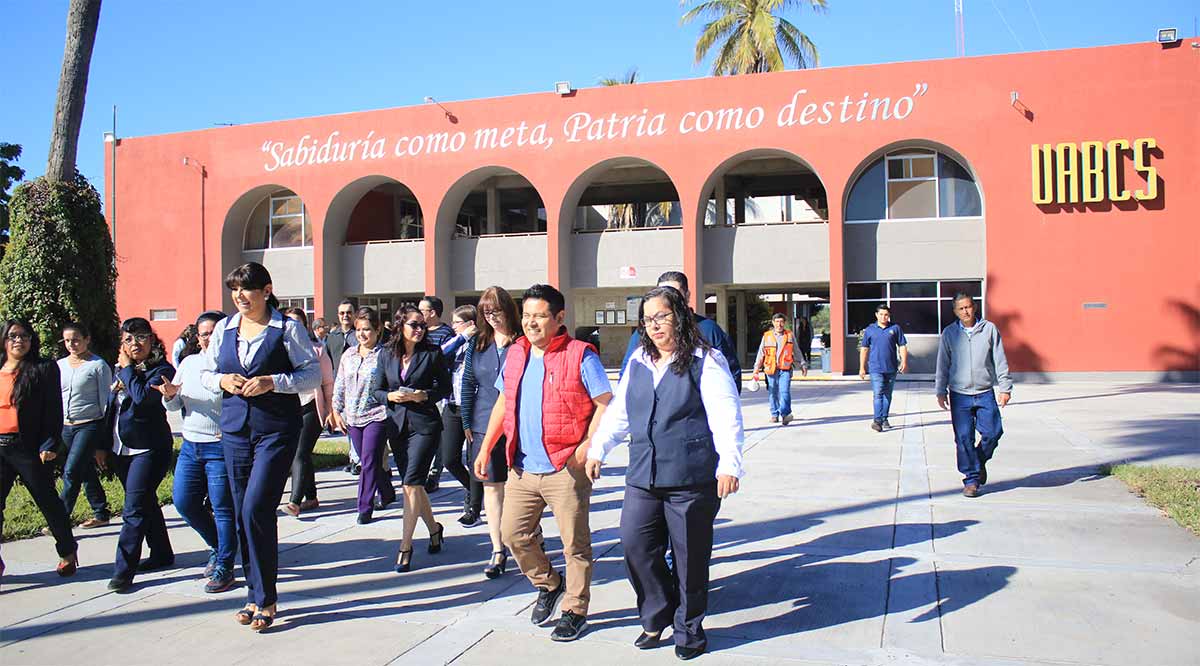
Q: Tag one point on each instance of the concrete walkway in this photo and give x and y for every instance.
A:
(845, 547)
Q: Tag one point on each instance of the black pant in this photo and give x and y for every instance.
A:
(450, 452)
(304, 479)
(18, 461)
(141, 517)
(683, 518)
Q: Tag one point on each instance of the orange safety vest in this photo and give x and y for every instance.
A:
(785, 358)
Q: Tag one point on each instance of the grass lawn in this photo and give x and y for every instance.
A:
(1175, 490)
(22, 518)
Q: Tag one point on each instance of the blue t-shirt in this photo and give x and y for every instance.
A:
(531, 451)
(882, 343)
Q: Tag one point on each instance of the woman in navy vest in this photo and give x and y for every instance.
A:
(412, 377)
(679, 405)
(141, 447)
(260, 360)
(499, 325)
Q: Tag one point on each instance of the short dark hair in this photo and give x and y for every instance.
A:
(76, 326)
(959, 295)
(345, 301)
(544, 292)
(141, 326)
(252, 275)
(370, 315)
(674, 276)
(778, 315)
(883, 306)
(435, 304)
(210, 315)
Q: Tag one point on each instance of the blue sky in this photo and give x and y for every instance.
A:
(172, 66)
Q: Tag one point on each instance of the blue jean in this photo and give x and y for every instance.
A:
(80, 469)
(882, 384)
(969, 413)
(779, 388)
(199, 471)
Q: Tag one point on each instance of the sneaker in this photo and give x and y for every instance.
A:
(787, 418)
(356, 469)
(93, 523)
(212, 564)
(569, 627)
(221, 580)
(971, 490)
(469, 518)
(876, 426)
(886, 425)
(547, 602)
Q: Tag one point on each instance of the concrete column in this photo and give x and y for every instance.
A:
(719, 195)
(493, 209)
(740, 317)
(739, 207)
(723, 307)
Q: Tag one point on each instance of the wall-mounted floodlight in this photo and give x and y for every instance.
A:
(1168, 35)
(563, 88)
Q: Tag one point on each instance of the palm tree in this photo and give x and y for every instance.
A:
(629, 79)
(753, 37)
(82, 18)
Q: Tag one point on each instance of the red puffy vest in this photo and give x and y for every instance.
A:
(566, 405)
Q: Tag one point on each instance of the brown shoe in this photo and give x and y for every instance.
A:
(787, 419)
(774, 419)
(309, 505)
(93, 523)
(971, 490)
(68, 565)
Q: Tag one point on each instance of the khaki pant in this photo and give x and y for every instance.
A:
(568, 493)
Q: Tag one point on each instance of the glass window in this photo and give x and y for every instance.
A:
(287, 232)
(914, 289)
(867, 290)
(968, 287)
(912, 198)
(279, 221)
(916, 317)
(957, 192)
(867, 201)
(861, 315)
(258, 229)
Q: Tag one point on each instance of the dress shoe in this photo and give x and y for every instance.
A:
(648, 640)
(119, 585)
(774, 419)
(686, 653)
(156, 563)
(982, 472)
(381, 505)
(971, 490)
(93, 523)
(787, 418)
(365, 518)
(432, 483)
(876, 426)
(309, 504)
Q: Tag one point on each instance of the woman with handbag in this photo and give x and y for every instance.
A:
(141, 450)
(30, 423)
(413, 376)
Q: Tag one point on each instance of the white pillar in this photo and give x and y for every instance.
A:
(723, 307)
(722, 210)
(742, 334)
(493, 209)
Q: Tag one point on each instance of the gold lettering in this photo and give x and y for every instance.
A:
(1068, 173)
(1043, 178)
(1091, 170)
(1141, 163)
(1116, 148)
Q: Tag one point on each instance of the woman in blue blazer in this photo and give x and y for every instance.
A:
(140, 450)
(412, 377)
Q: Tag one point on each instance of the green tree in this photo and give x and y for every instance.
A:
(9, 174)
(59, 265)
(629, 215)
(751, 36)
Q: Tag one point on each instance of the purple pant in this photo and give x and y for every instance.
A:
(371, 442)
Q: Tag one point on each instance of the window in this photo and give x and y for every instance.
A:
(280, 221)
(303, 302)
(164, 314)
(913, 184)
(918, 307)
(381, 304)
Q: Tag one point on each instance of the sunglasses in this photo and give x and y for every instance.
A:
(416, 325)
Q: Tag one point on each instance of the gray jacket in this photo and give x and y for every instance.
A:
(971, 362)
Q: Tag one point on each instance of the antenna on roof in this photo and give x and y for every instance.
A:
(960, 36)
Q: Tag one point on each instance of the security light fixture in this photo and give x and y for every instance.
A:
(563, 88)
(1168, 35)
(449, 116)
(110, 137)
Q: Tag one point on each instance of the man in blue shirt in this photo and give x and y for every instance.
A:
(880, 343)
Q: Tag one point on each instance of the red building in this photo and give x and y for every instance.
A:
(1060, 186)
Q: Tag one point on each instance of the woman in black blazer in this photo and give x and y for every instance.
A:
(30, 425)
(412, 378)
(141, 450)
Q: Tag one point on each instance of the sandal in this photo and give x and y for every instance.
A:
(262, 621)
(404, 561)
(245, 616)
(436, 539)
(498, 564)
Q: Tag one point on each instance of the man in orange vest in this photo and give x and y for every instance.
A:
(776, 357)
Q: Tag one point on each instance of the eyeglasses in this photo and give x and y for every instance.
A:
(415, 325)
(204, 335)
(491, 314)
(18, 337)
(657, 320)
(345, 313)
(141, 339)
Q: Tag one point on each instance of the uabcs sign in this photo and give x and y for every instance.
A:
(1092, 171)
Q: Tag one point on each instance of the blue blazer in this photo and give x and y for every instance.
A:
(141, 416)
(427, 371)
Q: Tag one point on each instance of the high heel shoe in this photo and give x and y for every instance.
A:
(436, 539)
(495, 569)
(68, 565)
(404, 561)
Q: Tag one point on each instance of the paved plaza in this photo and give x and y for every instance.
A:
(845, 546)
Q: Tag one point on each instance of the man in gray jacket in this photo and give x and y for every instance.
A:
(970, 363)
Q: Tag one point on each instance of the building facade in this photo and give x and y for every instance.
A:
(1059, 187)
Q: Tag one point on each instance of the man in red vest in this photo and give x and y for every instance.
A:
(553, 393)
(776, 357)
